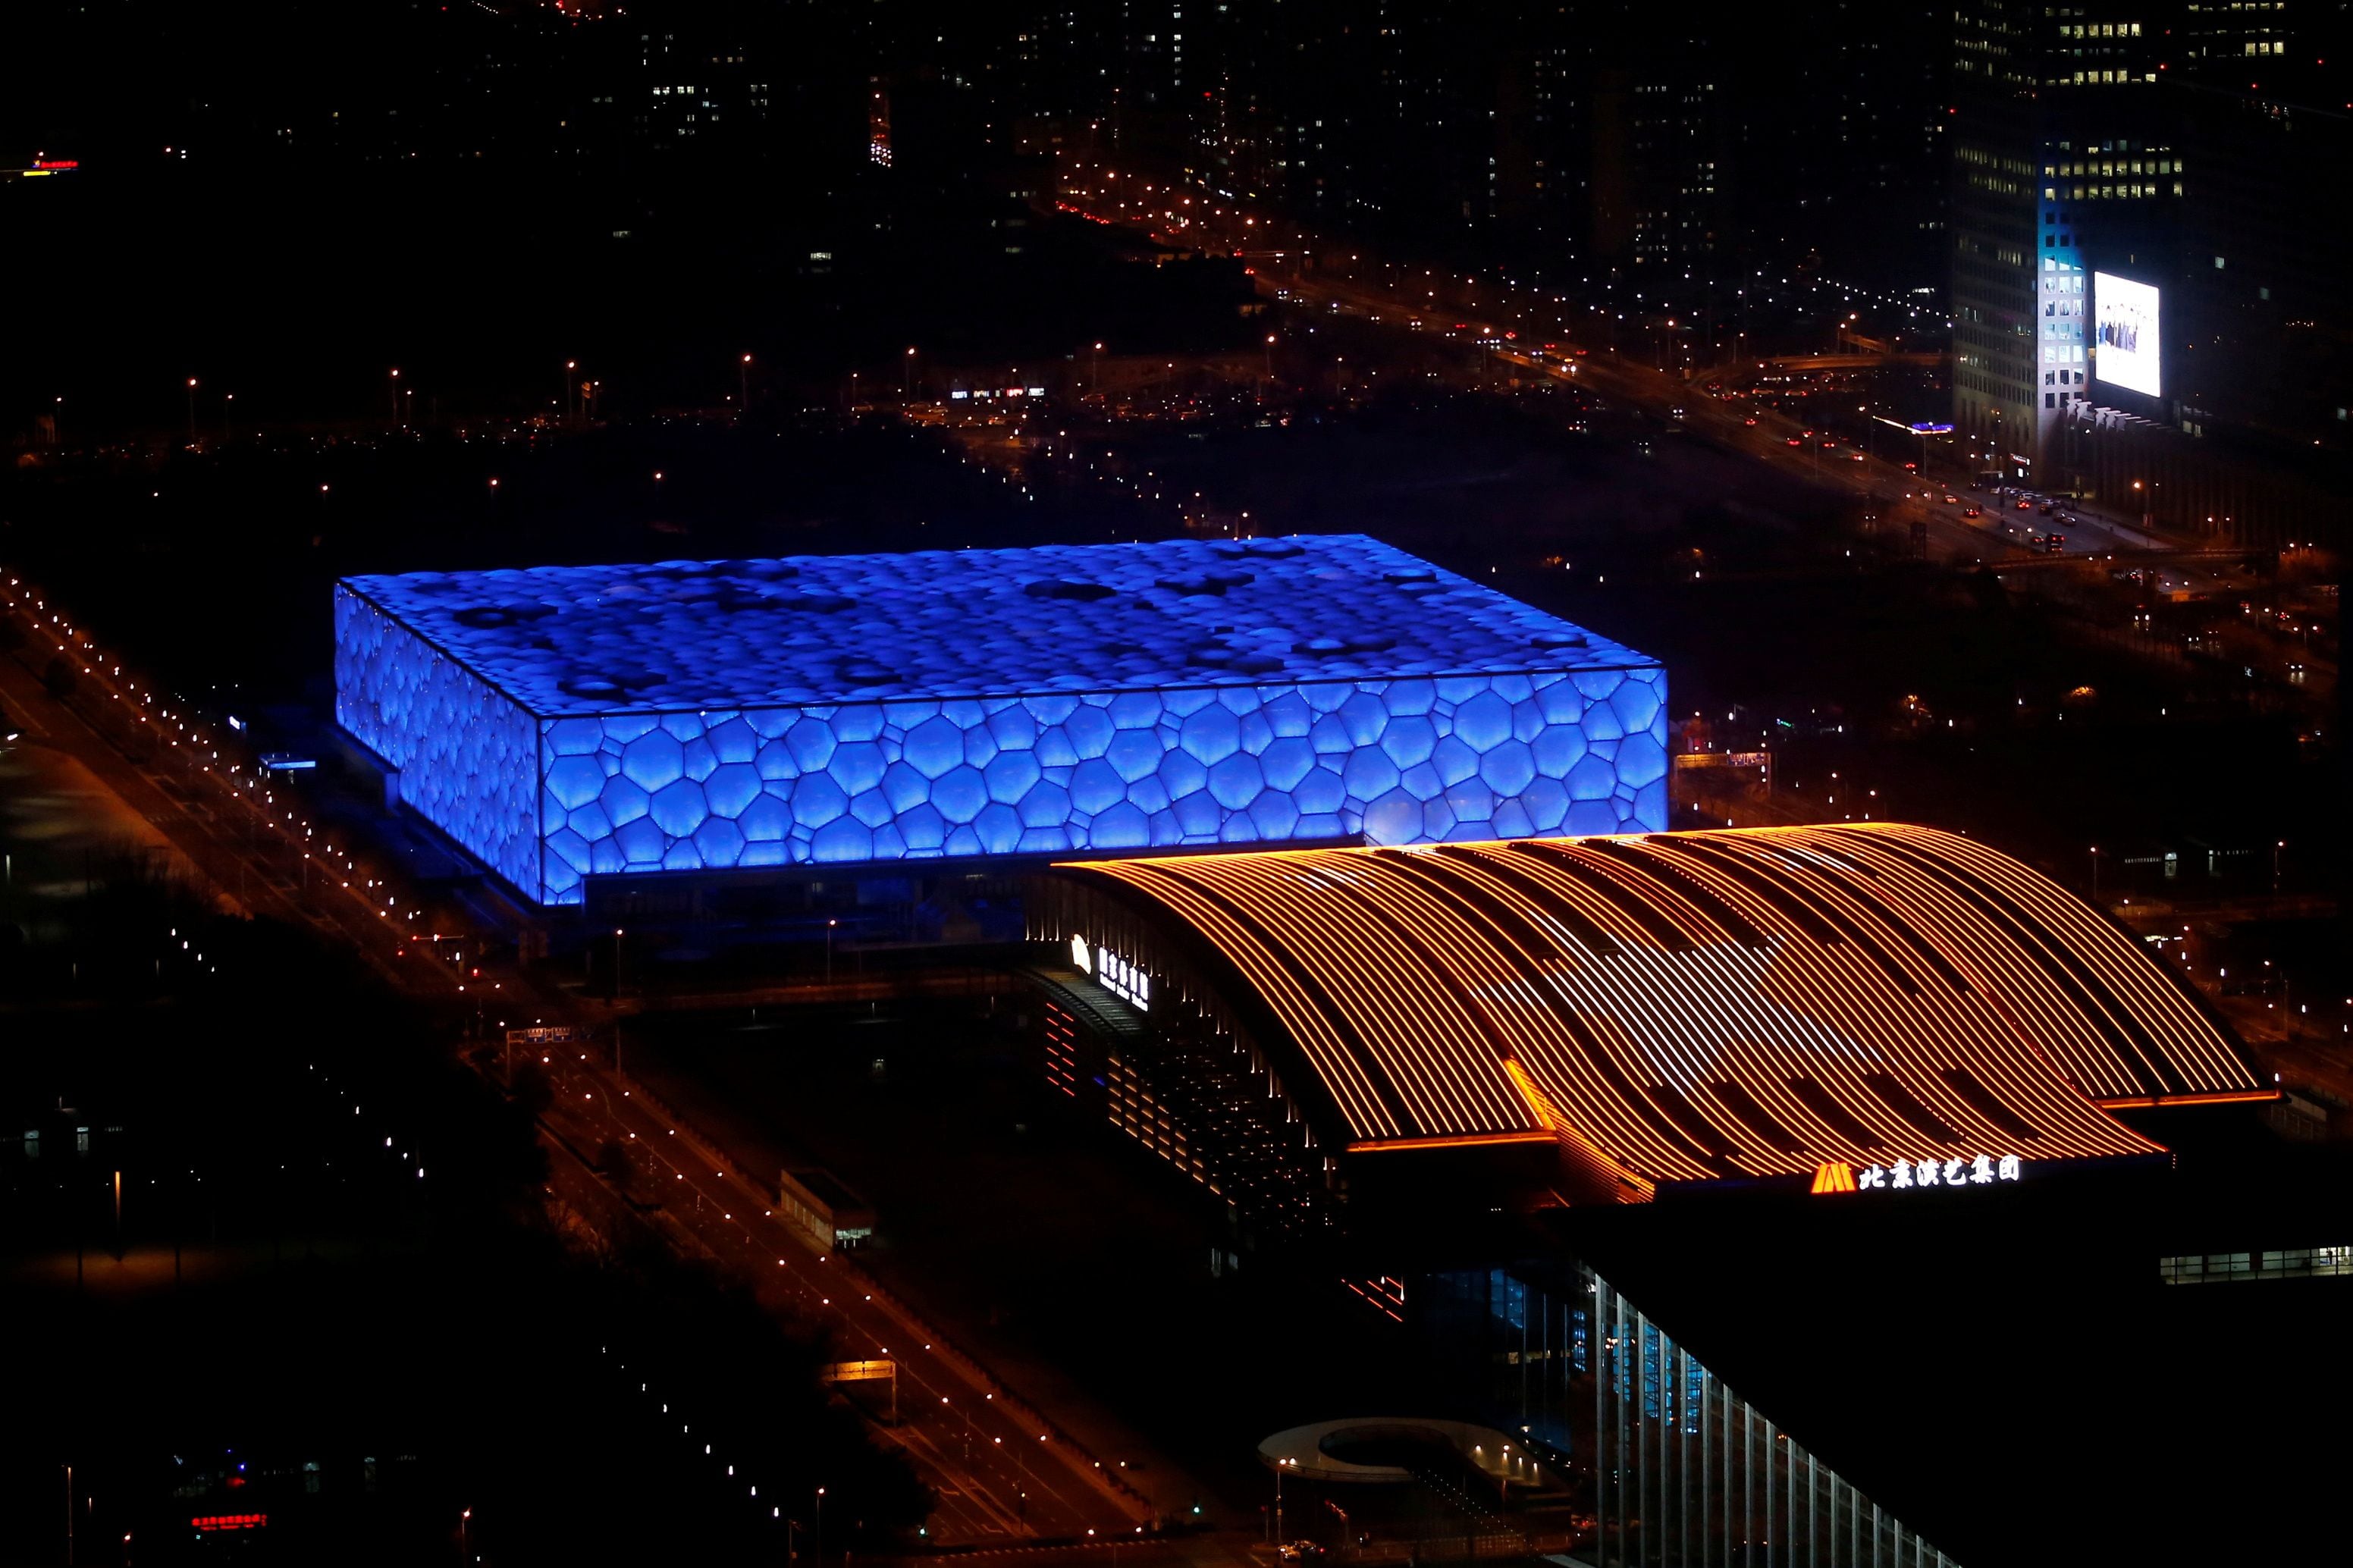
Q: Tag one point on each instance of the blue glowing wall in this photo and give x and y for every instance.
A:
(1223, 736)
(468, 753)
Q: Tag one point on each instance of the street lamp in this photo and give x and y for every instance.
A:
(742, 384)
(569, 366)
(816, 1534)
(907, 376)
(395, 392)
(192, 411)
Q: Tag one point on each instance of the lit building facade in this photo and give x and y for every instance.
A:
(2059, 143)
(569, 723)
(1682, 1470)
(1867, 1007)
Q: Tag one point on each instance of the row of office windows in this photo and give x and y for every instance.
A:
(2133, 192)
(2288, 1263)
(2082, 168)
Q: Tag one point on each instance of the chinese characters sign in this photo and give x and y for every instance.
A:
(1113, 974)
(1984, 1170)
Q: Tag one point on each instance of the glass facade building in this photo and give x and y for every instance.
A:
(565, 722)
(1680, 1471)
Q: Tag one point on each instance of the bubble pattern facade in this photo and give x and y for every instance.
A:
(1561, 732)
(468, 753)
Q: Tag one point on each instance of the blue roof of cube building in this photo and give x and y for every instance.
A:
(813, 629)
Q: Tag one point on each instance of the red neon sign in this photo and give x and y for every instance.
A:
(57, 163)
(231, 1522)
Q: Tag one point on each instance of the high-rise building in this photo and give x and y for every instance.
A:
(2266, 287)
(2141, 281)
(1662, 142)
(2061, 151)
(1857, 177)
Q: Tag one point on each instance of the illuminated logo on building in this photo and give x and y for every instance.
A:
(1835, 1176)
(1113, 974)
(230, 1521)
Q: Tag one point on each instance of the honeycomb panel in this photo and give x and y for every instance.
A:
(936, 624)
(468, 756)
(573, 721)
(1403, 761)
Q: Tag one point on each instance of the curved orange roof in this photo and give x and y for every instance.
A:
(1691, 1006)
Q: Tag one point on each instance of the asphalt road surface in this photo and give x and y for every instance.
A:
(1003, 1474)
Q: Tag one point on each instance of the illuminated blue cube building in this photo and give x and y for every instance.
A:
(570, 722)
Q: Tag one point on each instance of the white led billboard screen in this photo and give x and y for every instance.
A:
(2125, 349)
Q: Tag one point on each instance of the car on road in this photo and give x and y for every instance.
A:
(1951, 499)
(2054, 543)
(2025, 505)
(1794, 441)
(1968, 511)
(1300, 1552)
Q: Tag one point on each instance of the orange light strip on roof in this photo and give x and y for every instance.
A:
(1460, 1141)
(2012, 961)
(1947, 1001)
(1525, 1015)
(1919, 1018)
(2188, 1038)
(1343, 1076)
(1394, 995)
(1628, 1128)
(2239, 1096)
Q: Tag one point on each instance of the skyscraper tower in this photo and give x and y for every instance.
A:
(2061, 159)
